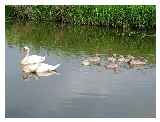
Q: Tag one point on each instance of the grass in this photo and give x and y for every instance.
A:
(125, 17)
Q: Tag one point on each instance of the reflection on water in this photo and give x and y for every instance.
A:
(79, 91)
(35, 76)
(77, 40)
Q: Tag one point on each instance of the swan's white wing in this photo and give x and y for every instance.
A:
(35, 59)
(42, 68)
(46, 68)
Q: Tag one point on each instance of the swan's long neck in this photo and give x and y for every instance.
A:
(26, 54)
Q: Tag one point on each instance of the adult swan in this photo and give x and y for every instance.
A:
(31, 59)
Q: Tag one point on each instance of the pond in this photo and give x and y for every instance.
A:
(78, 90)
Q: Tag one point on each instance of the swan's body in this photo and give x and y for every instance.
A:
(28, 68)
(121, 59)
(131, 57)
(111, 66)
(133, 61)
(92, 60)
(111, 59)
(46, 67)
(136, 62)
(47, 73)
(86, 62)
(32, 59)
(39, 68)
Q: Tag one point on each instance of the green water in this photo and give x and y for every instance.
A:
(75, 39)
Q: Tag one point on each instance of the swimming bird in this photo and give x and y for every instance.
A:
(86, 62)
(128, 58)
(92, 60)
(121, 59)
(31, 59)
(112, 58)
(136, 62)
(111, 65)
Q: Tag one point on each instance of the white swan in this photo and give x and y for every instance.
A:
(32, 59)
(39, 68)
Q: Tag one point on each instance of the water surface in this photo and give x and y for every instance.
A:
(79, 91)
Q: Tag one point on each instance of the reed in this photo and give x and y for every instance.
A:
(125, 17)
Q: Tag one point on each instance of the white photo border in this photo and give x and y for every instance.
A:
(75, 2)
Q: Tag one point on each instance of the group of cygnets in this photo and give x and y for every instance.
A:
(35, 63)
(115, 61)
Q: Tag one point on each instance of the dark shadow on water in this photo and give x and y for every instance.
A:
(36, 76)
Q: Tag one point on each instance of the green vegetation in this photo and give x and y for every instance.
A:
(71, 40)
(122, 17)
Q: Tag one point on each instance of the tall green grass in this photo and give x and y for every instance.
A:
(139, 17)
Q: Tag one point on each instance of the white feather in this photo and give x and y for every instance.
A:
(32, 59)
(46, 67)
